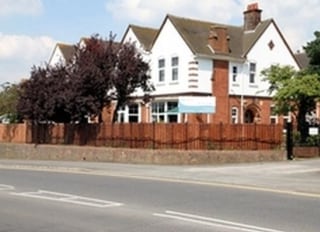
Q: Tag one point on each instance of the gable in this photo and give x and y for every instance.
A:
(131, 37)
(56, 56)
(271, 48)
(61, 54)
(142, 36)
(169, 40)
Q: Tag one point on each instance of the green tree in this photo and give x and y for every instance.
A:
(297, 91)
(312, 50)
(294, 91)
(8, 101)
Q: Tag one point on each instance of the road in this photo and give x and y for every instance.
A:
(56, 200)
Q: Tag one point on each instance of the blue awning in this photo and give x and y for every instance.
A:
(191, 104)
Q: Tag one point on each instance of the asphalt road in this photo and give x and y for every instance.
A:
(82, 197)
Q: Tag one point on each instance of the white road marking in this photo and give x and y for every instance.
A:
(168, 179)
(69, 198)
(4, 187)
(214, 222)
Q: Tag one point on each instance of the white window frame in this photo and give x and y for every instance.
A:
(134, 114)
(161, 70)
(160, 111)
(124, 113)
(235, 73)
(234, 115)
(273, 116)
(252, 72)
(175, 68)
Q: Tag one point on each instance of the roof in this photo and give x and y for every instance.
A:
(251, 37)
(195, 33)
(145, 35)
(67, 50)
(302, 59)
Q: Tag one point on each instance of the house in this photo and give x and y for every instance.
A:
(142, 36)
(61, 54)
(201, 59)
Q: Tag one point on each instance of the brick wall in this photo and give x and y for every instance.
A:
(135, 156)
(220, 91)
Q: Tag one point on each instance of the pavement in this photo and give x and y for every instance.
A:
(297, 177)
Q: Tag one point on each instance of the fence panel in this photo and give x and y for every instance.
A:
(15, 133)
(152, 135)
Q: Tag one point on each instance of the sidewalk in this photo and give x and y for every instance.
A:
(301, 177)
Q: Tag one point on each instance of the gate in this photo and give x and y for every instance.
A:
(296, 149)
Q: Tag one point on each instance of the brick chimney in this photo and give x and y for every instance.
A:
(219, 39)
(252, 17)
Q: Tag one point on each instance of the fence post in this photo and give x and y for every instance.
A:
(153, 135)
(187, 136)
(289, 141)
(255, 137)
(221, 135)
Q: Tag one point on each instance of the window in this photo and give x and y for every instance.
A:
(129, 113)
(273, 116)
(234, 115)
(252, 72)
(158, 111)
(133, 113)
(121, 114)
(175, 68)
(234, 73)
(161, 66)
(165, 111)
(172, 111)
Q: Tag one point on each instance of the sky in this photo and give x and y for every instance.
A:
(29, 29)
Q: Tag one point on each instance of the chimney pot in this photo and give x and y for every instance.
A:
(252, 17)
(253, 6)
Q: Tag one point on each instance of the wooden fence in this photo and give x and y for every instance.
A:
(162, 136)
(14, 133)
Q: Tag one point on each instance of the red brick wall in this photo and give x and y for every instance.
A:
(145, 113)
(261, 106)
(220, 91)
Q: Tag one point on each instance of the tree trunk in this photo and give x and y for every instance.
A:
(303, 126)
(115, 113)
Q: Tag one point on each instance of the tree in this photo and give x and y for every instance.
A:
(8, 101)
(90, 74)
(297, 91)
(313, 52)
(130, 75)
(101, 71)
(44, 96)
(294, 91)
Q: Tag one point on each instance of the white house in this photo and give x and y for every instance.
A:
(195, 58)
(61, 54)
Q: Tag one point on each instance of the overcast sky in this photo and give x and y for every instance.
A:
(29, 29)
